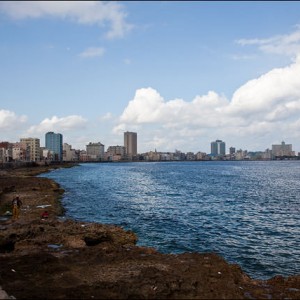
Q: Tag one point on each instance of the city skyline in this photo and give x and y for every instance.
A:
(29, 149)
(55, 142)
(181, 74)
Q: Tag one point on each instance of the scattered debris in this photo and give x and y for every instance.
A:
(43, 206)
(54, 246)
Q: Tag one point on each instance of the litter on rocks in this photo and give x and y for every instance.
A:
(54, 246)
(43, 206)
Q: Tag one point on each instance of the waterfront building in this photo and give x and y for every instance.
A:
(116, 150)
(33, 151)
(5, 152)
(241, 154)
(19, 151)
(46, 154)
(267, 155)
(190, 156)
(115, 153)
(69, 154)
(166, 156)
(95, 151)
(282, 150)
(83, 156)
(130, 143)
(218, 148)
(201, 156)
(54, 142)
(2, 155)
(178, 155)
(231, 150)
(153, 156)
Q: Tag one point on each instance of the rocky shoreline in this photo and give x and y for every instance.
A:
(57, 258)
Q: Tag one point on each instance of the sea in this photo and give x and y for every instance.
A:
(246, 211)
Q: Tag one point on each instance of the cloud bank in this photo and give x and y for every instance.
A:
(10, 121)
(99, 13)
(92, 52)
(267, 107)
(288, 44)
(56, 124)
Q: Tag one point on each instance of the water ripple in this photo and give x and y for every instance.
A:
(248, 212)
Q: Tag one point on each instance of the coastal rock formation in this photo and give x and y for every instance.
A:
(57, 258)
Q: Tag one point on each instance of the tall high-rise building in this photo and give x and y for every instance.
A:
(218, 148)
(54, 142)
(32, 146)
(130, 143)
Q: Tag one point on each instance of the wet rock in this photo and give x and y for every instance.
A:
(7, 246)
(93, 241)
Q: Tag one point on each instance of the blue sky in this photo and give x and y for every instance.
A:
(181, 74)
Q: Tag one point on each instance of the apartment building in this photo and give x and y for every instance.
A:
(95, 151)
(32, 148)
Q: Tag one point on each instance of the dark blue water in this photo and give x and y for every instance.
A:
(248, 212)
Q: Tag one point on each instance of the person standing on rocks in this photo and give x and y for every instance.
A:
(16, 205)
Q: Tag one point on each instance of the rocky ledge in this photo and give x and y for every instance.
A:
(57, 258)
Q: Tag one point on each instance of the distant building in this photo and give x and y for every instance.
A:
(190, 156)
(282, 150)
(69, 154)
(116, 150)
(267, 154)
(19, 151)
(153, 156)
(33, 152)
(115, 153)
(231, 150)
(95, 151)
(83, 156)
(54, 142)
(5, 151)
(178, 155)
(218, 148)
(201, 156)
(241, 154)
(130, 143)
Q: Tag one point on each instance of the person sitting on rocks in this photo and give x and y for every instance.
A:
(16, 205)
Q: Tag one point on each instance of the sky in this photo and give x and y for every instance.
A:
(181, 74)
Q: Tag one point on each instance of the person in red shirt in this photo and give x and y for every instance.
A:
(45, 215)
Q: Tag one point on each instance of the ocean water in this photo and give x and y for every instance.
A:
(248, 212)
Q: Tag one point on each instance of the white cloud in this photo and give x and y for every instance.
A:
(10, 121)
(242, 57)
(82, 12)
(92, 52)
(275, 95)
(61, 125)
(263, 109)
(149, 107)
(127, 61)
(106, 117)
(288, 44)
